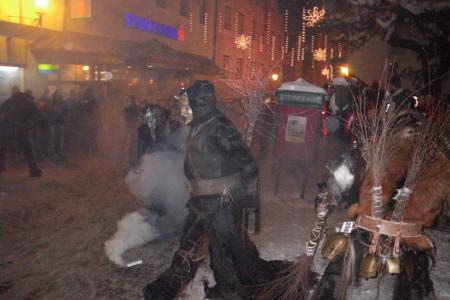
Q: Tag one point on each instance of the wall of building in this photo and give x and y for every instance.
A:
(110, 21)
(25, 12)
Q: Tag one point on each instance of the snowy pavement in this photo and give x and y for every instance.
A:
(53, 229)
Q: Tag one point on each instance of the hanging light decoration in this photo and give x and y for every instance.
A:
(326, 72)
(220, 22)
(320, 55)
(331, 53)
(303, 33)
(268, 28)
(286, 26)
(340, 50)
(273, 47)
(205, 28)
(242, 41)
(292, 56)
(314, 15)
(312, 49)
(191, 18)
(261, 42)
(325, 46)
(282, 52)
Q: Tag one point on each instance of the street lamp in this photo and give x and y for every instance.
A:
(344, 70)
(274, 77)
(41, 8)
(41, 5)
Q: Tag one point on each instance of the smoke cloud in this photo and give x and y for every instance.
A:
(160, 185)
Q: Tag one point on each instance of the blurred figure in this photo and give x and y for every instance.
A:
(131, 117)
(89, 121)
(73, 120)
(154, 129)
(18, 115)
(56, 112)
(396, 95)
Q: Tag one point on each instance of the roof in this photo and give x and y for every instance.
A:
(156, 53)
(78, 48)
(301, 85)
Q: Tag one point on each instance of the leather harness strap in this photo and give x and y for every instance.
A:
(384, 227)
(204, 187)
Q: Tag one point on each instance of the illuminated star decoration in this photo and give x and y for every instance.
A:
(313, 16)
(320, 54)
(242, 41)
(326, 72)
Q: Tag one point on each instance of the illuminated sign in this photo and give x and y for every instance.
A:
(48, 69)
(147, 25)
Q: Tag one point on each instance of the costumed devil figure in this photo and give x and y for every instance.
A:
(223, 179)
(414, 186)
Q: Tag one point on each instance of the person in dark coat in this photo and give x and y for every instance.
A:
(18, 115)
(223, 179)
(56, 112)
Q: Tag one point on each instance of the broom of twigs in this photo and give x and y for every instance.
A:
(295, 283)
(424, 154)
(377, 131)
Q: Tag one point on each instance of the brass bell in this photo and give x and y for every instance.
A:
(368, 267)
(393, 265)
(335, 246)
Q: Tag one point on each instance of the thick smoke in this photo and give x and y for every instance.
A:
(159, 183)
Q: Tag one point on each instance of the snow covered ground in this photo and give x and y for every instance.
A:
(53, 229)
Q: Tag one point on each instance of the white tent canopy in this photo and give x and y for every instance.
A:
(301, 85)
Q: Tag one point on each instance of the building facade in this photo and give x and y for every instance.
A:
(141, 47)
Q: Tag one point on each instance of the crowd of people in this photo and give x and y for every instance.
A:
(47, 127)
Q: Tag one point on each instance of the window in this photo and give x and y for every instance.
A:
(161, 3)
(184, 8)
(227, 20)
(239, 65)
(240, 24)
(226, 62)
(202, 11)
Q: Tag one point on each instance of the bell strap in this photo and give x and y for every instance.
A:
(396, 230)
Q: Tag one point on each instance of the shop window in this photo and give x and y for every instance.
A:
(161, 3)
(184, 8)
(227, 19)
(203, 9)
(240, 24)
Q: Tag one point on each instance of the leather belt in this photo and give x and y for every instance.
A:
(204, 187)
(394, 229)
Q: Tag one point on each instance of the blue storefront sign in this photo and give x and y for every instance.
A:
(147, 25)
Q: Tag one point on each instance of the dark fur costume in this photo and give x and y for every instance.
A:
(215, 150)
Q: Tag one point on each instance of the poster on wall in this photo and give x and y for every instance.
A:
(295, 129)
(80, 9)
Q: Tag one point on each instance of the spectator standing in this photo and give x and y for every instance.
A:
(18, 115)
(56, 112)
